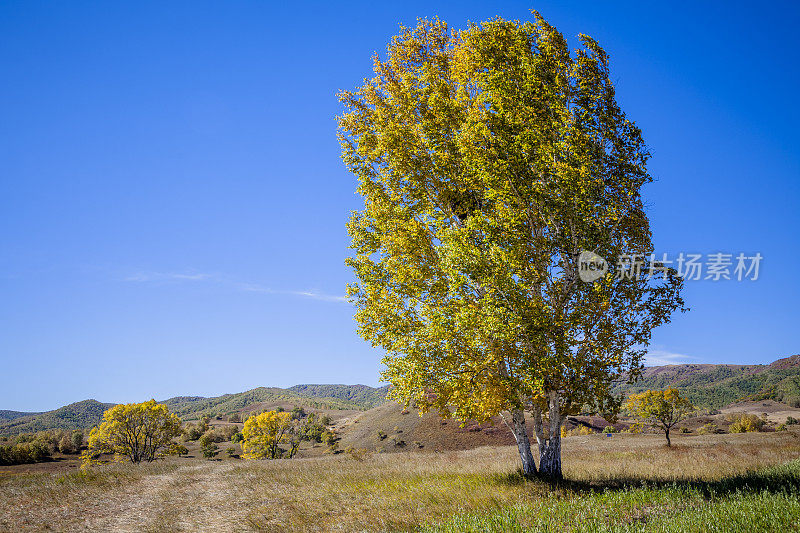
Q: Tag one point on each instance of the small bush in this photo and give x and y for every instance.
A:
(381, 435)
(329, 437)
(791, 421)
(357, 454)
(635, 428)
(577, 431)
(177, 450)
(708, 429)
(745, 423)
(609, 429)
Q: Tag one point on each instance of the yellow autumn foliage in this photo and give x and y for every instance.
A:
(133, 431)
(264, 433)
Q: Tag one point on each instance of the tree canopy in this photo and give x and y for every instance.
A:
(660, 408)
(264, 433)
(488, 160)
(136, 431)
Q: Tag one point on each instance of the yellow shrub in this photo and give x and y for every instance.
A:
(745, 423)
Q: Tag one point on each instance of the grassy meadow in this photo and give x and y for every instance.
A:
(722, 482)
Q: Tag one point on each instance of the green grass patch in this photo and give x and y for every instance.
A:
(766, 500)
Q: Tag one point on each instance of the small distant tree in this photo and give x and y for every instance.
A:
(192, 433)
(661, 409)
(65, 445)
(298, 413)
(313, 427)
(136, 431)
(234, 417)
(263, 434)
(329, 438)
(208, 447)
(77, 440)
(294, 436)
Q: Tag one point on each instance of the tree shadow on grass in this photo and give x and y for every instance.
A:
(777, 479)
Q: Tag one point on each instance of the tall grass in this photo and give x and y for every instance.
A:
(624, 483)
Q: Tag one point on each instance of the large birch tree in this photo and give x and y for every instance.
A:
(488, 160)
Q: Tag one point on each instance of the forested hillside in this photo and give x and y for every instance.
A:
(86, 414)
(13, 415)
(361, 394)
(191, 407)
(714, 386)
(78, 415)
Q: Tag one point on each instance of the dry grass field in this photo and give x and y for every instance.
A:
(624, 482)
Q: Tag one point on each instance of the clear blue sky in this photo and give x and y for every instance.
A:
(172, 202)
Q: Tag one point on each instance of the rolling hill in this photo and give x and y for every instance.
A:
(78, 415)
(360, 394)
(192, 407)
(709, 386)
(88, 413)
(13, 415)
(715, 386)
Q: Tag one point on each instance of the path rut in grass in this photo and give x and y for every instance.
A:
(192, 498)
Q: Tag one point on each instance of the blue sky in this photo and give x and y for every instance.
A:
(172, 202)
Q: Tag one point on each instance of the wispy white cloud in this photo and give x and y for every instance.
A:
(656, 357)
(154, 277)
(313, 294)
(166, 276)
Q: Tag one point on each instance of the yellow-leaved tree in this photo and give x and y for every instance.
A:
(489, 159)
(264, 433)
(134, 431)
(661, 409)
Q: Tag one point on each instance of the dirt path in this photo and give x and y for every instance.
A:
(192, 498)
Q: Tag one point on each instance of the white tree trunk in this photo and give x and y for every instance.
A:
(550, 442)
(518, 428)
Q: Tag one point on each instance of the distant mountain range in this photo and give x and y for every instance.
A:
(88, 413)
(710, 386)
